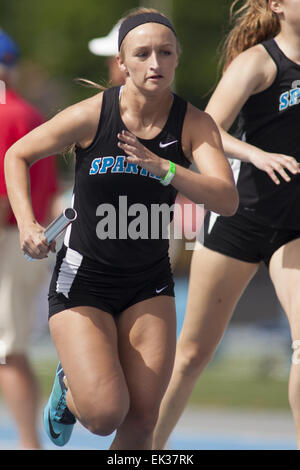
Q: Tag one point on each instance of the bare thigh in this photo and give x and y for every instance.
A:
(147, 341)
(215, 286)
(285, 275)
(87, 345)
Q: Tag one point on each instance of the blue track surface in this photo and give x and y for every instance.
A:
(82, 439)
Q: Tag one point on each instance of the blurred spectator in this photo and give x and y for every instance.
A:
(108, 47)
(20, 280)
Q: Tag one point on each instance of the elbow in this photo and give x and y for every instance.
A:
(8, 157)
(13, 157)
(9, 151)
(230, 202)
(6, 161)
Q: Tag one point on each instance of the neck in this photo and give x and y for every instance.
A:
(289, 41)
(147, 107)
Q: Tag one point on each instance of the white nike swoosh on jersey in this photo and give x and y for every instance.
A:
(158, 291)
(162, 145)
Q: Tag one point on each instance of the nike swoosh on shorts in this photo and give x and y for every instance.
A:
(158, 291)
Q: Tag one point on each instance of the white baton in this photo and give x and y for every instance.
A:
(57, 226)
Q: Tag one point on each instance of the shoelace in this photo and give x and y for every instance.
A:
(67, 417)
(63, 413)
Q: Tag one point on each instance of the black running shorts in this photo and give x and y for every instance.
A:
(244, 239)
(79, 281)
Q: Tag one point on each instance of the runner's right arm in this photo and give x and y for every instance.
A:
(76, 124)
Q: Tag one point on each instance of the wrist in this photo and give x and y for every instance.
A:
(169, 175)
(164, 168)
(23, 225)
(254, 153)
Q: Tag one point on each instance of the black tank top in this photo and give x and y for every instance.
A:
(270, 120)
(108, 193)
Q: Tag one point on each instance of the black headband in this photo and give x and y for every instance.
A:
(136, 20)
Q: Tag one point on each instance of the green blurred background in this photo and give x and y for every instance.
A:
(54, 35)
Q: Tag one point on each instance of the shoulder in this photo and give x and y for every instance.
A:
(254, 66)
(196, 117)
(256, 55)
(87, 115)
(86, 110)
(83, 118)
(199, 127)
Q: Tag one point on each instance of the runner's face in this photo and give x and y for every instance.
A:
(150, 56)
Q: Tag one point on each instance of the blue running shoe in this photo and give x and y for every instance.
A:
(58, 419)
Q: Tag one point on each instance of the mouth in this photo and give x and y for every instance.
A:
(155, 77)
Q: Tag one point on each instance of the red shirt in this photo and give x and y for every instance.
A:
(17, 118)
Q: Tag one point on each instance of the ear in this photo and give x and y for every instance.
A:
(121, 64)
(276, 6)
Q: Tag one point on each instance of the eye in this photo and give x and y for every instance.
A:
(141, 54)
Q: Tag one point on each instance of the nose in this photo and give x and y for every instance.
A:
(154, 63)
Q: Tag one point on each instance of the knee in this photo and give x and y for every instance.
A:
(105, 422)
(143, 421)
(294, 395)
(192, 357)
(294, 382)
(103, 418)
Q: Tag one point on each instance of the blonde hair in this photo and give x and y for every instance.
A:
(253, 22)
(139, 11)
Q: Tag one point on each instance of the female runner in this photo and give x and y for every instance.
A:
(111, 299)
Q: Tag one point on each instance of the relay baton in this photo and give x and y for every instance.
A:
(57, 226)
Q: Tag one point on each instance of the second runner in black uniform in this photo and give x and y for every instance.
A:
(268, 215)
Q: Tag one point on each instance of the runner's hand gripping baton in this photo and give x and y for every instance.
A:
(57, 226)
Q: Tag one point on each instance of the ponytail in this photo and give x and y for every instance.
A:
(253, 22)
